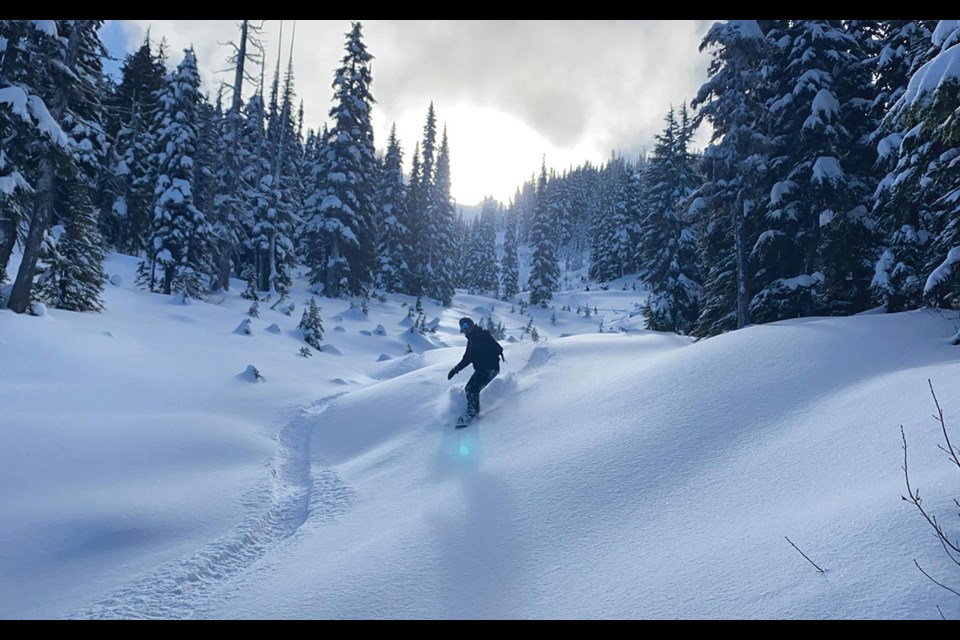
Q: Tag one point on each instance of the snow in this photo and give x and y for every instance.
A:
(943, 68)
(825, 103)
(943, 271)
(153, 464)
(17, 99)
(946, 33)
(826, 168)
(781, 189)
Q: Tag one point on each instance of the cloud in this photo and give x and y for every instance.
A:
(593, 85)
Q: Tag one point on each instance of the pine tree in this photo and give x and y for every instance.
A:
(668, 247)
(732, 100)
(510, 276)
(395, 241)
(180, 256)
(826, 127)
(481, 261)
(441, 215)
(227, 207)
(24, 133)
(130, 111)
(544, 273)
(921, 191)
(311, 325)
(341, 212)
(615, 223)
(931, 101)
(45, 73)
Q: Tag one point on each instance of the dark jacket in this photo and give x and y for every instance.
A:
(483, 352)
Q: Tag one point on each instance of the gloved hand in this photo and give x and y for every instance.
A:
(452, 373)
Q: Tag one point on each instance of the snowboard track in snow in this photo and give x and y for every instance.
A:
(183, 588)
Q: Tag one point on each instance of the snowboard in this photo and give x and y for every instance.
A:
(462, 422)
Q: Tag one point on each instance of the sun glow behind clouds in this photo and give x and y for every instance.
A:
(491, 152)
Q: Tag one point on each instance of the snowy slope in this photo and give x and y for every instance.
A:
(634, 477)
(627, 474)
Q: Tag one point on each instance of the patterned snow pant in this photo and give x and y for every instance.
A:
(478, 381)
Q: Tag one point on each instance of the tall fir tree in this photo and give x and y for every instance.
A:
(341, 211)
(63, 79)
(179, 256)
(481, 254)
(931, 101)
(669, 250)
(902, 222)
(510, 265)
(442, 219)
(395, 241)
(727, 204)
(72, 277)
(130, 110)
(544, 273)
(921, 190)
(26, 63)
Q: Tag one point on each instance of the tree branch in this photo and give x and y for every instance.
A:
(804, 555)
(934, 581)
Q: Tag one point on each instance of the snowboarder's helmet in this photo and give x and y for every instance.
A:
(465, 324)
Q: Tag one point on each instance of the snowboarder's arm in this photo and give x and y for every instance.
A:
(467, 359)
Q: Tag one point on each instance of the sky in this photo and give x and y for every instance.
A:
(512, 93)
(146, 473)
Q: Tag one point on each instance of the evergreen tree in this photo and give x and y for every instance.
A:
(543, 268)
(510, 276)
(311, 325)
(227, 208)
(65, 57)
(130, 110)
(482, 253)
(40, 63)
(395, 241)
(441, 216)
(930, 105)
(727, 203)
(668, 247)
(23, 83)
(73, 276)
(917, 199)
(179, 255)
(417, 258)
(341, 212)
(614, 224)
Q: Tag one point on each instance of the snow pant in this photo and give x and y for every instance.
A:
(479, 379)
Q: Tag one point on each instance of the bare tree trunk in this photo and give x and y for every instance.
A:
(23, 285)
(8, 238)
(740, 243)
(331, 287)
(226, 243)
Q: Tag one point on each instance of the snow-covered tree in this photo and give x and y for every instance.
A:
(668, 247)
(926, 175)
(510, 276)
(53, 81)
(544, 272)
(311, 325)
(128, 185)
(180, 253)
(341, 210)
(481, 262)
(395, 241)
(727, 204)
(442, 221)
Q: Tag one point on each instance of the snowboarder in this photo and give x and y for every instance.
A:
(484, 353)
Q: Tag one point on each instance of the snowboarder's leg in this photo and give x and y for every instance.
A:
(477, 382)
